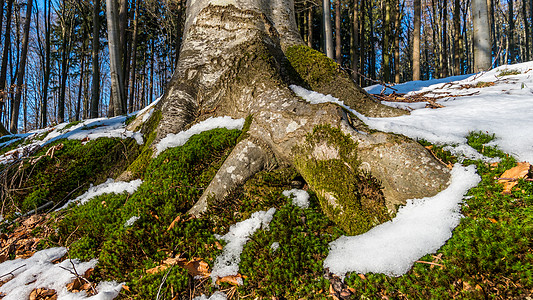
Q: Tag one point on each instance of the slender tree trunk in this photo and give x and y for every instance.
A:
(372, 70)
(386, 40)
(47, 64)
(310, 26)
(355, 42)
(328, 36)
(21, 70)
(444, 52)
(511, 33)
(416, 40)
(134, 57)
(95, 95)
(115, 59)
(397, 32)
(457, 51)
(7, 47)
(363, 42)
(80, 90)
(527, 26)
(1, 12)
(64, 72)
(492, 24)
(482, 44)
(152, 59)
(338, 41)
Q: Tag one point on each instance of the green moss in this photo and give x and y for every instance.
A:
(69, 125)
(508, 72)
(130, 119)
(312, 66)
(173, 182)
(69, 172)
(478, 141)
(149, 131)
(352, 199)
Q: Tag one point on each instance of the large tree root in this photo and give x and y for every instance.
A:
(240, 61)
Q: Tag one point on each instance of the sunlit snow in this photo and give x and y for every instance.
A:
(179, 139)
(299, 198)
(39, 271)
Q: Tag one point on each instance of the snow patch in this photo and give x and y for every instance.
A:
(38, 271)
(299, 198)
(216, 296)
(420, 227)
(227, 263)
(110, 186)
(179, 139)
(131, 221)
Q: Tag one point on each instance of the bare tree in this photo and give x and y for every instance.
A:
(115, 58)
(416, 40)
(95, 94)
(15, 106)
(328, 35)
(482, 44)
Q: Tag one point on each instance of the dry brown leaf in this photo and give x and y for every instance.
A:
(492, 220)
(510, 177)
(157, 269)
(126, 288)
(43, 294)
(197, 267)
(231, 279)
(173, 224)
(218, 245)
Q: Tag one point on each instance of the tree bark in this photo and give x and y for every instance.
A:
(133, 57)
(355, 42)
(95, 94)
(310, 26)
(457, 51)
(482, 44)
(5, 55)
(444, 52)
(47, 63)
(397, 31)
(238, 59)
(13, 127)
(510, 32)
(386, 41)
(338, 41)
(416, 40)
(328, 35)
(115, 59)
(527, 25)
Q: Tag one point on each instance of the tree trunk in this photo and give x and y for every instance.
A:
(526, 56)
(338, 41)
(47, 63)
(95, 95)
(457, 51)
(5, 55)
(328, 35)
(115, 59)
(397, 31)
(330, 147)
(510, 32)
(355, 42)
(444, 51)
(416, 40)
(482, 44)
(133, 57)
(386, 41)
(13, 127)
(310, 26)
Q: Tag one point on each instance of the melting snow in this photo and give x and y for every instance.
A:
(299, 198)
(216, 296)
(38, 271)
(179, 139)
(422, 226)
(131, 221)
(110, 186)
(227, 263)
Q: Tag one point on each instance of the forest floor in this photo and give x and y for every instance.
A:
(69, 232)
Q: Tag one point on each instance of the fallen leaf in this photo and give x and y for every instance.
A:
(218, 245)
(492, 220)
(43, 294)
(176, 220)
(126, 288)
(197, 267)
(510, 177)
(231, 279)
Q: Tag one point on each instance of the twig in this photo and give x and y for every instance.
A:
(430, 263)
(513, 179)
(11, 272)
(163, 282)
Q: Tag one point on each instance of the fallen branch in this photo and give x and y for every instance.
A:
(430, 263)
(11, 272)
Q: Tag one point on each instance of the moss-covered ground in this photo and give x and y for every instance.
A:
(489, 256)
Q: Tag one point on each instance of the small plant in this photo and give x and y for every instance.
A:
(70, 125)
(508, 72)
(478, 141)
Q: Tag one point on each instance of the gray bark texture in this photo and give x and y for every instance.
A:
(238, 59)
(482, 44)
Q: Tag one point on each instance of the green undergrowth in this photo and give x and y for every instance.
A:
(508, 72)
(138, 167)
(173, 182)
(489, 255)
(66, 173)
